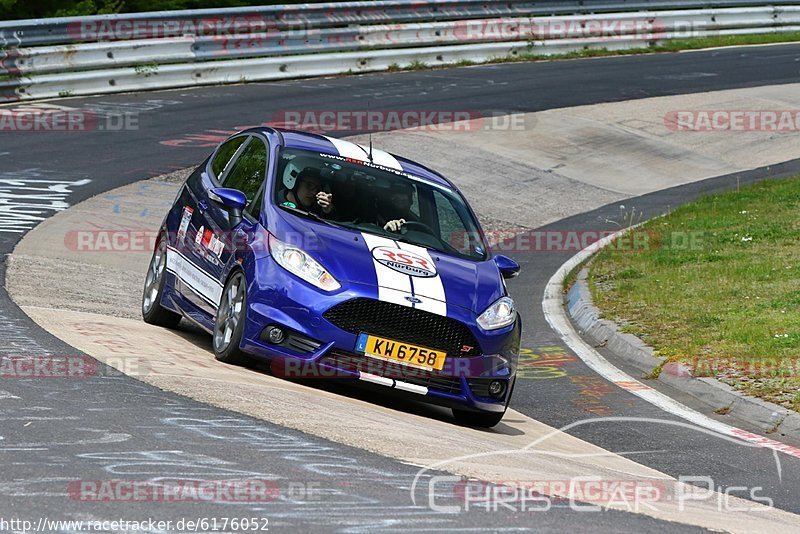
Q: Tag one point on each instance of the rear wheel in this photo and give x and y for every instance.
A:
(229, 323)
(152, 310)
(479, 419)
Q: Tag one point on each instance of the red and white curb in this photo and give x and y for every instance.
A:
(556, 315)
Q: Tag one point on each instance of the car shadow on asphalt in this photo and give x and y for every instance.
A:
(350, 388)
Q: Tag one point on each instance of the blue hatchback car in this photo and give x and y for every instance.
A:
(337, 260)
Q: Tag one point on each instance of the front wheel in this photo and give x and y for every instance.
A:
(152, 310)
(483, 419)
(229, 323)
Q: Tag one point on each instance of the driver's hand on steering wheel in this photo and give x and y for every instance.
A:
(394, 226)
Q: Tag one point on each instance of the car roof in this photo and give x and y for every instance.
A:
(340, 147)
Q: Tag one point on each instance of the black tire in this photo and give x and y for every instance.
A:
(229, 322)
(152, 310)
(478, 419)
(483, 419)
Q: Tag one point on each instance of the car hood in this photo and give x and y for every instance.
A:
(402, 273)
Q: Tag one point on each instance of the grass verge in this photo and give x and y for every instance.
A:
(716, 285)
(676, 45)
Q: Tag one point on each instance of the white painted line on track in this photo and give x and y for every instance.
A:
(556, 316)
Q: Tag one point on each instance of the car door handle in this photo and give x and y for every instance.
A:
(203, 205)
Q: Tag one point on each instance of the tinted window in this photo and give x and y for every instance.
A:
(249, 170)
(452, 228)
(450, 224)
(224, 155)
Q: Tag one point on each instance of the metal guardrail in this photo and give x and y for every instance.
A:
(115, 53)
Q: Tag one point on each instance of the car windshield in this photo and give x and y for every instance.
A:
(379, 200)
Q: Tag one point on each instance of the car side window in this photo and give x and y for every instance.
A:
(449, 221)
(451, 226)
(224, 155)
(249, 170)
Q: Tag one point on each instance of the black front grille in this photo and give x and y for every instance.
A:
(402, 323)
(446, 384)
(358, 362)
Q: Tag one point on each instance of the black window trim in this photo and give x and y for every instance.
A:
(232, 163)
(261, 190)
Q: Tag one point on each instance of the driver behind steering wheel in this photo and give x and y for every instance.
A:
(394, 210)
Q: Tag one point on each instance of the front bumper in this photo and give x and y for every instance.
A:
(319, 349)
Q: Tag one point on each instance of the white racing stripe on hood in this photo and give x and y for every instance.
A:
(380, 157)
(429, 290)
(347, 149)
(360, 152)
(392, 285)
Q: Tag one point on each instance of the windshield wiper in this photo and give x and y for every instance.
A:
(309, 215)
(442, 250)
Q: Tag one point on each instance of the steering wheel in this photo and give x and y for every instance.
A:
(420, 226)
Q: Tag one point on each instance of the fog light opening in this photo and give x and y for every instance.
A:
(275, 335)
(497, 388)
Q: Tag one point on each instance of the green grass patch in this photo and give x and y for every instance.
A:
(716, 284)
(676, 45)
(728, 40)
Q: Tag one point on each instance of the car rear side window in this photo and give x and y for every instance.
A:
(224, 155)
(249, 170)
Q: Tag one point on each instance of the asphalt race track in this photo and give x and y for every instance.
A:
(58, 431)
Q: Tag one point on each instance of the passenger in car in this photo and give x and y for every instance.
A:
(307, 193)
(394, 207)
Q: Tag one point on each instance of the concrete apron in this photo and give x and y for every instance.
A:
(91, 299)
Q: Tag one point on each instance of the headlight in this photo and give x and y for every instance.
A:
(501, 313)
(297, 262)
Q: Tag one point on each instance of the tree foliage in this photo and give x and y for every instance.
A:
(36, 9)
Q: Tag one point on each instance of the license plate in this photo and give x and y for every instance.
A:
(396, 351)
